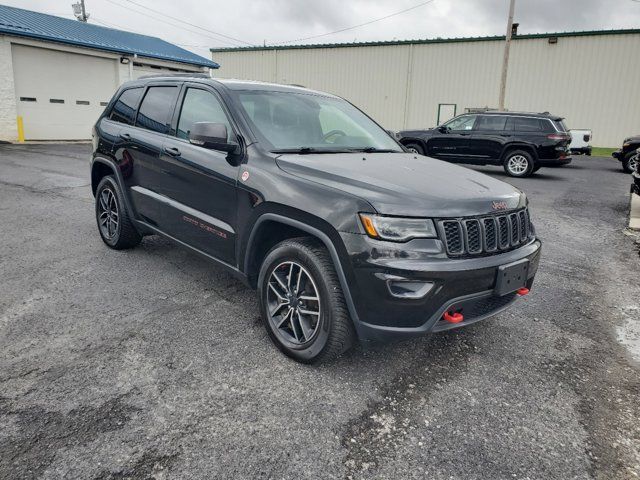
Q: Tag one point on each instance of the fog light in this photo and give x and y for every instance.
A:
(410, 289)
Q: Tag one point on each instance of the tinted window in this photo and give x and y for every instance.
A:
(125, 108)
(156, 109)
(200, 106)
(559, 125)
(464, 122)
(491, 122)
(523, 124)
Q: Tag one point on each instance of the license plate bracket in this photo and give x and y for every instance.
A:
(511, 277)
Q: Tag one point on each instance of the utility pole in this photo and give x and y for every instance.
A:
(505, 61)
(80, 12)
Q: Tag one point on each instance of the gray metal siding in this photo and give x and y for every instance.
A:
(589, 79)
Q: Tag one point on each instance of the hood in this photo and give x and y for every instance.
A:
(406, 184)
(633, 138)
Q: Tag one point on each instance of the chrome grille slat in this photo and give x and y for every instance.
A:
(485, 234)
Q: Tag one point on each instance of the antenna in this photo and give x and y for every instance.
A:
(80, 12)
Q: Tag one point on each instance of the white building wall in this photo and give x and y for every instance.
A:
(8, 114)
(587, 78)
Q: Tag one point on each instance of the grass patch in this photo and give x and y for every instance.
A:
(602, 151)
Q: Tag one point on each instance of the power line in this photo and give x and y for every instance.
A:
(190, 24)
(360, 24)
(170, 23)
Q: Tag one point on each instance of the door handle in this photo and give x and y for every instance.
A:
(174, 152)
(125, 136)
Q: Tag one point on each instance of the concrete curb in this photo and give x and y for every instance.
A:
(634, 217)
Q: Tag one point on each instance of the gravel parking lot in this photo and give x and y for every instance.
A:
(152, 363)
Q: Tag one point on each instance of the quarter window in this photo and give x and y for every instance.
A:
(200, 106)
(491, 122)
(156, 109)
(124, 109)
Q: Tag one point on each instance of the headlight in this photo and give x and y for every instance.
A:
(625, 145)
(397, 229)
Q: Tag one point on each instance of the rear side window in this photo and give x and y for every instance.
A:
(560, 126)
(491, 122)
(156, 109)
(124, 109)
(523, 124)
(200, 106)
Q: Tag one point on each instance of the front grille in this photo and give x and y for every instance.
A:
(485, 235)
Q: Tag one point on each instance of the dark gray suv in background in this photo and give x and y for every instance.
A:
(299, 194)
(521, 142)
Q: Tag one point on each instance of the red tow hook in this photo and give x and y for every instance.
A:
(522, 291)
(453, 317)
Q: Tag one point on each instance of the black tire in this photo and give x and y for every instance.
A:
(333, 332)
(123, 235)
(518, 163)
(627, 162)
(415, 148)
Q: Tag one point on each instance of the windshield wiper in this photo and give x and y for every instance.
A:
(375, 150)
(306, 150)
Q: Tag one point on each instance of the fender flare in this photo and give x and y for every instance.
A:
(118, 176)
(324, 238)
(519, 146)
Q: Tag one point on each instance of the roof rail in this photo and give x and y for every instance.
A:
(181, 74)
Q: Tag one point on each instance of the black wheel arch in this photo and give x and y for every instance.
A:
(100, 168)
(414, 140)
(289, 227)
(510, 147)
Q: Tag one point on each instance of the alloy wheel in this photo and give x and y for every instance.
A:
(633, 163)
(518, 164)
(108, 216)
(293, 302)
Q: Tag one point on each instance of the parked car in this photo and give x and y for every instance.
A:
(635, 187)
(627, 154)
(301, 195)
(580, 139)
(521, 142)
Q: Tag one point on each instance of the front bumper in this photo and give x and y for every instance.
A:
(617, 154)
(461, 285)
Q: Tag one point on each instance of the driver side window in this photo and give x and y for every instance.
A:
(463, 122)
(201, 106)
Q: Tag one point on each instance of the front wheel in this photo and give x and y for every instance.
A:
(415, 148)
(301, 302)
(629, 163)
(518, 163)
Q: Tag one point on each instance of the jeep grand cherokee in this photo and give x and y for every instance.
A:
(344, 234)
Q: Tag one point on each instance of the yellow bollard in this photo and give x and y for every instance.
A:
(20, 130)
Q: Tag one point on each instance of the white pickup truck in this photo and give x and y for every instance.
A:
(580, 139)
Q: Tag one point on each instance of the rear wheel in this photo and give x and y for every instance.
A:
(114, 224)
(518, 163)
(629, 162)
(301, 302)
(415, 148)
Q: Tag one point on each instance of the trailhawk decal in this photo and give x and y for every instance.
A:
(204, 226)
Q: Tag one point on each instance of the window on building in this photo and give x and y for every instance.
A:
(200, 106)
(27, 99)
(124, 109)
(82, 102)
(156, 109)
(56, 100)
(491, 122)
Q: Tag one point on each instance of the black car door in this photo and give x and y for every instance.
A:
(199, 185)
(141, 145)
(490, 134)
(451, 140)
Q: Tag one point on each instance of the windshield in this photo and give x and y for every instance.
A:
(288, 121)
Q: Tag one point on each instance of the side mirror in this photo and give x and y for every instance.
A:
(443, 129)
(212, 136)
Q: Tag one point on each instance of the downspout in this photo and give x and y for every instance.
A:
(407, 88)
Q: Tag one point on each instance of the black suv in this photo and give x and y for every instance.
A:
(344, 234)
(627, 154)
(521, 142)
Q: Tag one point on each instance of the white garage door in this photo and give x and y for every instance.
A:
(60, 95)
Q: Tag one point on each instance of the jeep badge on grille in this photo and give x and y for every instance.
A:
(499, 205)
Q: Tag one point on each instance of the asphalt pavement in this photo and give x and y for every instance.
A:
(153, 363)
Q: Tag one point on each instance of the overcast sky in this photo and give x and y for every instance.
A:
(276, 21)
